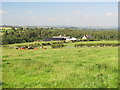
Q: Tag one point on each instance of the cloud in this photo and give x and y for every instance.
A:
(111, 14)
(76, 12)
(2, 12)
(32, 17)
(88, 16)
(68, 19)
(51, 19)
(30, 12)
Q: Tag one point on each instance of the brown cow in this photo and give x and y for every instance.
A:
(44, 48)
(35, 48)
(22, 48)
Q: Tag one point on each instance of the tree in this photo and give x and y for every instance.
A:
(20, 28)
(6, 33)
(13, 28)
(32, 34)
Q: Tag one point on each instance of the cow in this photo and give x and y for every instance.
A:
(43, 47)
(30, 47)
(35, 48)
(16, 47)
(22, 48)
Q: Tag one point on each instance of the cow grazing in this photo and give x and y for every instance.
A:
(44, 48)
(35, 48)
(22, 48)
(30, 47)
(17, 48)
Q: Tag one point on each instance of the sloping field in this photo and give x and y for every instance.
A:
(68, 44)
(82, 67)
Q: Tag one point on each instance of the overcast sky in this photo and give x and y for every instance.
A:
(60, 13)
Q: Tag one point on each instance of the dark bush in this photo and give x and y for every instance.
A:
(85, 40)
(46, 44)
(77, 45)
(21, 46)
(57, 42)
(29, 45)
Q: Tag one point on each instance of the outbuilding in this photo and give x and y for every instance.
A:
(71, 39)
(86, 37)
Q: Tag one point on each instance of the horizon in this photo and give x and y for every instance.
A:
(65, 26)
(55, 25)
(63, 13)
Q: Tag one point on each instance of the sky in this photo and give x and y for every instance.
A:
(60, 13)
(60, 0)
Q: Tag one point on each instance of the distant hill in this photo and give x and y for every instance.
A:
(70, 27)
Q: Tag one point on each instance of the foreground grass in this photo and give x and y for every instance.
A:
(0, 68)
(61, 68)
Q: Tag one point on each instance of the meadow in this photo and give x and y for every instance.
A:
(68, 43)
(81, 67)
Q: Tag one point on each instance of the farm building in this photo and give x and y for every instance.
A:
(86, 37)
(54, 39)
(57, 38)
(71, 39)
(64, 36)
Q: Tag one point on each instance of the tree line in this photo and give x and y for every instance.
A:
(22, 35)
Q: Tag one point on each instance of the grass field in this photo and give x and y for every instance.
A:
(1, 33)
(82, 67)
(27, 43)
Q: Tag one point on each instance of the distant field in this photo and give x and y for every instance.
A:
(27, 43)
(91, 42)
(69, 44)
(83, 67)
(0, 67)
(99, 41)
(5, 28)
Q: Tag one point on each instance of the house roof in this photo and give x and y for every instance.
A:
(66, 37)
(54, 39)
(73, 38)
(86, 36)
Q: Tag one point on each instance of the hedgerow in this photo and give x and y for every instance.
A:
(96, 44)
(57, 45)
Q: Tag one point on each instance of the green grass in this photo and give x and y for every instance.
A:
(27, 43)
(1, 33)
(0, 67)
(95, 67)
(68, 44)
(87, 42)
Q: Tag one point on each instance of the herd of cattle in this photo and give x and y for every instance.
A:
(28, 47)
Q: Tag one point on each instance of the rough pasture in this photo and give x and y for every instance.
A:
(82, 67)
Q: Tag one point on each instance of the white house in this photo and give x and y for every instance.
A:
(86, 36)
(71, 39)
(64, 36)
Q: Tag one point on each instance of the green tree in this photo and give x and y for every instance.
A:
(20, 28)
(13, 28)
